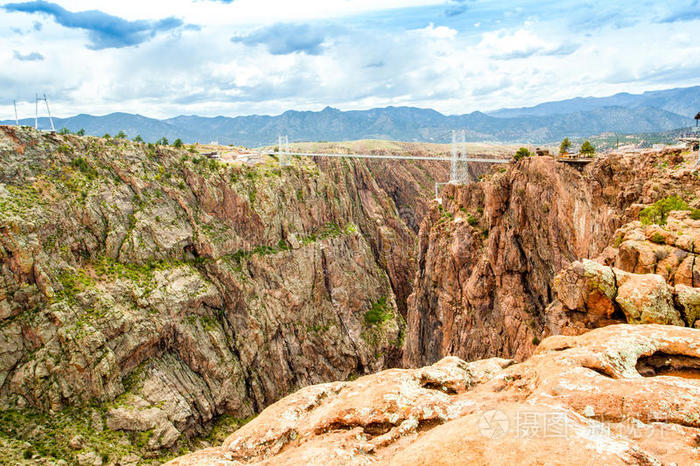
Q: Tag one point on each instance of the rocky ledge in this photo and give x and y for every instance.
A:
(623, 394)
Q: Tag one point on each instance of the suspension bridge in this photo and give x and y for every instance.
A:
(459, 171)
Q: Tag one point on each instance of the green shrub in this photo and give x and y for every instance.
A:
(618, 241)
(471, 220)
(657, 238)
(657, 213)
(177, 144)
(81, 132)
(64, 149)
(695, 214)
(378, 313)
(82, 165)
(522, 153)
(121, 135)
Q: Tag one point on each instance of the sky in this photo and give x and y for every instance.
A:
(242, 57)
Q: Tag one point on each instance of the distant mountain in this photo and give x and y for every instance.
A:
(681, 101)
(584, 117)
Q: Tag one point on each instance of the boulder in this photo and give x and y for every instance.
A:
(587, 286)
(164, 433)
(646, 299)
(688, 300)
(89, 458)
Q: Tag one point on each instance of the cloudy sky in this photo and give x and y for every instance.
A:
(240, 57)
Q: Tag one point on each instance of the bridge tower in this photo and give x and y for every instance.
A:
(36, 111)
(459, 171)
(283, 144)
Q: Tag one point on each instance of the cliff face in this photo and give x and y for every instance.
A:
(624, 394)
(170, 289)
(487, 256)
(650, 274)
(151, 290)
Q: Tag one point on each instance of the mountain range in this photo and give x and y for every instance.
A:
(547, 122)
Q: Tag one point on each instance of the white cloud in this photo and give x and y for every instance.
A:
(438, 32)
(430, 61)
(504, 45)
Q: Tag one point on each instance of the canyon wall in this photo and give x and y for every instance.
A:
(487, 255)
(169, 289)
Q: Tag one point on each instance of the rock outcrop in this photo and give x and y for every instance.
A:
(649, 274)
(623, 394)
(171, 289)
(488, 253)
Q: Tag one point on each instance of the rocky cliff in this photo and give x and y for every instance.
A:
(151, 296)
(618, 395)
(160, 290)
(488, 254)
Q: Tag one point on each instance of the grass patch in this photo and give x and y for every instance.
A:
(379, 312)
(657, 238)
(85, 168)
(224, 426)
(50, 435)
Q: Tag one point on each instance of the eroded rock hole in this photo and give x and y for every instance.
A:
(674, 365)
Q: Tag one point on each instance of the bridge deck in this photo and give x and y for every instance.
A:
(390, 157)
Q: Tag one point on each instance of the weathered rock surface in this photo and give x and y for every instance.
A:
(648, 275)
(487, 255)
(186, 287)
(623, 394)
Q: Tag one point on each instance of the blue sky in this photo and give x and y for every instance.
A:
(239, 57)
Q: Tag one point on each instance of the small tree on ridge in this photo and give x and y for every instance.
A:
(565, 146)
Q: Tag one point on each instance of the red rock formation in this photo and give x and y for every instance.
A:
(618, 395)
(648, 275)
(488, 254)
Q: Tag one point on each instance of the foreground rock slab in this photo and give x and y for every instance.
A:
(623, 394)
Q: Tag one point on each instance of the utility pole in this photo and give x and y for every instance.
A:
(36, 111)
(14, 102)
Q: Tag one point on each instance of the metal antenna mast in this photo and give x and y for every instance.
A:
(14, 102)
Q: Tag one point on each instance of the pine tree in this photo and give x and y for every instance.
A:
(565, 146)
(587, 149)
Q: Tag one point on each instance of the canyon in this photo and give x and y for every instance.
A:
(154, 301)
